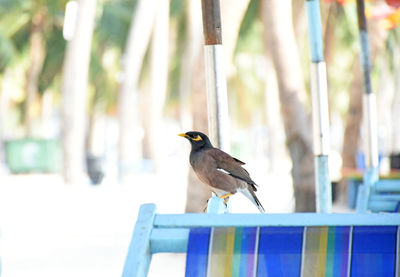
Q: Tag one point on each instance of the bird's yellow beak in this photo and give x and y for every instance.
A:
(182, 135)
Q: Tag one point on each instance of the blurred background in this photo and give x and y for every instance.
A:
(94, 92)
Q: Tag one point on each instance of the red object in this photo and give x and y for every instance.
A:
(393, 3)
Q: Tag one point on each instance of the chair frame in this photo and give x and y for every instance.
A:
(168, 233)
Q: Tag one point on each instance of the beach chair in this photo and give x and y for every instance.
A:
(299, 244)
(377, 195)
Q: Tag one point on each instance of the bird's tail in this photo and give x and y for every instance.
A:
(249, 193)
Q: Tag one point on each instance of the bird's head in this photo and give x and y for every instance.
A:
(198, 140)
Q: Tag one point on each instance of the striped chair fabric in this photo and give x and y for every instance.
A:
(358, 251)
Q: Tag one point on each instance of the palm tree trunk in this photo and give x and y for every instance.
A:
(74, 93)
(37, 54)
(280, 38)
(158, 91)
(197, 192)
(232, 13)
(193, 94)
(274, 125)
(130, 146)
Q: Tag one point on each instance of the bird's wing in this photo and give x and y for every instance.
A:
(205, 167)
(231, 165)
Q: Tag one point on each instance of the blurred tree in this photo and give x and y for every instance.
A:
(130, 147)
(156, 97)
(74, 92)
(109, 39)
(33, 23)
(280, 40)
(37, 54)
(194, 89)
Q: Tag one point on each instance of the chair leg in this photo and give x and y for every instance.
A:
(364, 190)
(139, 256)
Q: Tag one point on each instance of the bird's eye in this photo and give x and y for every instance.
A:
(197, 138)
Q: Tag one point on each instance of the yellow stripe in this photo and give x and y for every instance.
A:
(217, 251)
(323, 243)
(230, 244)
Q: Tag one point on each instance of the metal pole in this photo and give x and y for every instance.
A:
(369, 114)
(320, 114)
(217, 100)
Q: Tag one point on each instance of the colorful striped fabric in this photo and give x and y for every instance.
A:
(294, 251)
(230, 252)
(326, 251)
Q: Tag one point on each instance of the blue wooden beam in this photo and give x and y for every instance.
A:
(371, 176)
(388, 185)
(139, 257)
(165, 240)
(295, 219)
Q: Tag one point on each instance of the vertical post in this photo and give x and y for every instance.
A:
(138, 259)
(217, 205)
(369, 114)
(217, 100)
(320, 114)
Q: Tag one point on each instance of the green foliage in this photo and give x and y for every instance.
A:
(250, 34)
(6, 52)
(346, 47)
(177, 8)
(55, 51)
(114, 23)
(179, 21)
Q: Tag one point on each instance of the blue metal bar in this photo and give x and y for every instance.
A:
(319, 109)
(314, 30)
(323, 184)
(139, 257)
(369, 109)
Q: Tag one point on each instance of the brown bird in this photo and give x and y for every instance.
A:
(219, 170)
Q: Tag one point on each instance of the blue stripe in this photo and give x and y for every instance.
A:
(374, 251)
(244, 251)
(314, 31)
(341, 251)
(337, 253)
(197, 252)
(279, 251)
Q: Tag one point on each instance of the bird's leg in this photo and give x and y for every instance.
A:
(205, 207)
(226, 197)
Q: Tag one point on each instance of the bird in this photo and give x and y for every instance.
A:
(222, 172)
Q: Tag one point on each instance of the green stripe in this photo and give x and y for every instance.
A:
(237, 252)
(330, 252)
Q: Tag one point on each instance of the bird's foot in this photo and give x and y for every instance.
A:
(226, 197)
